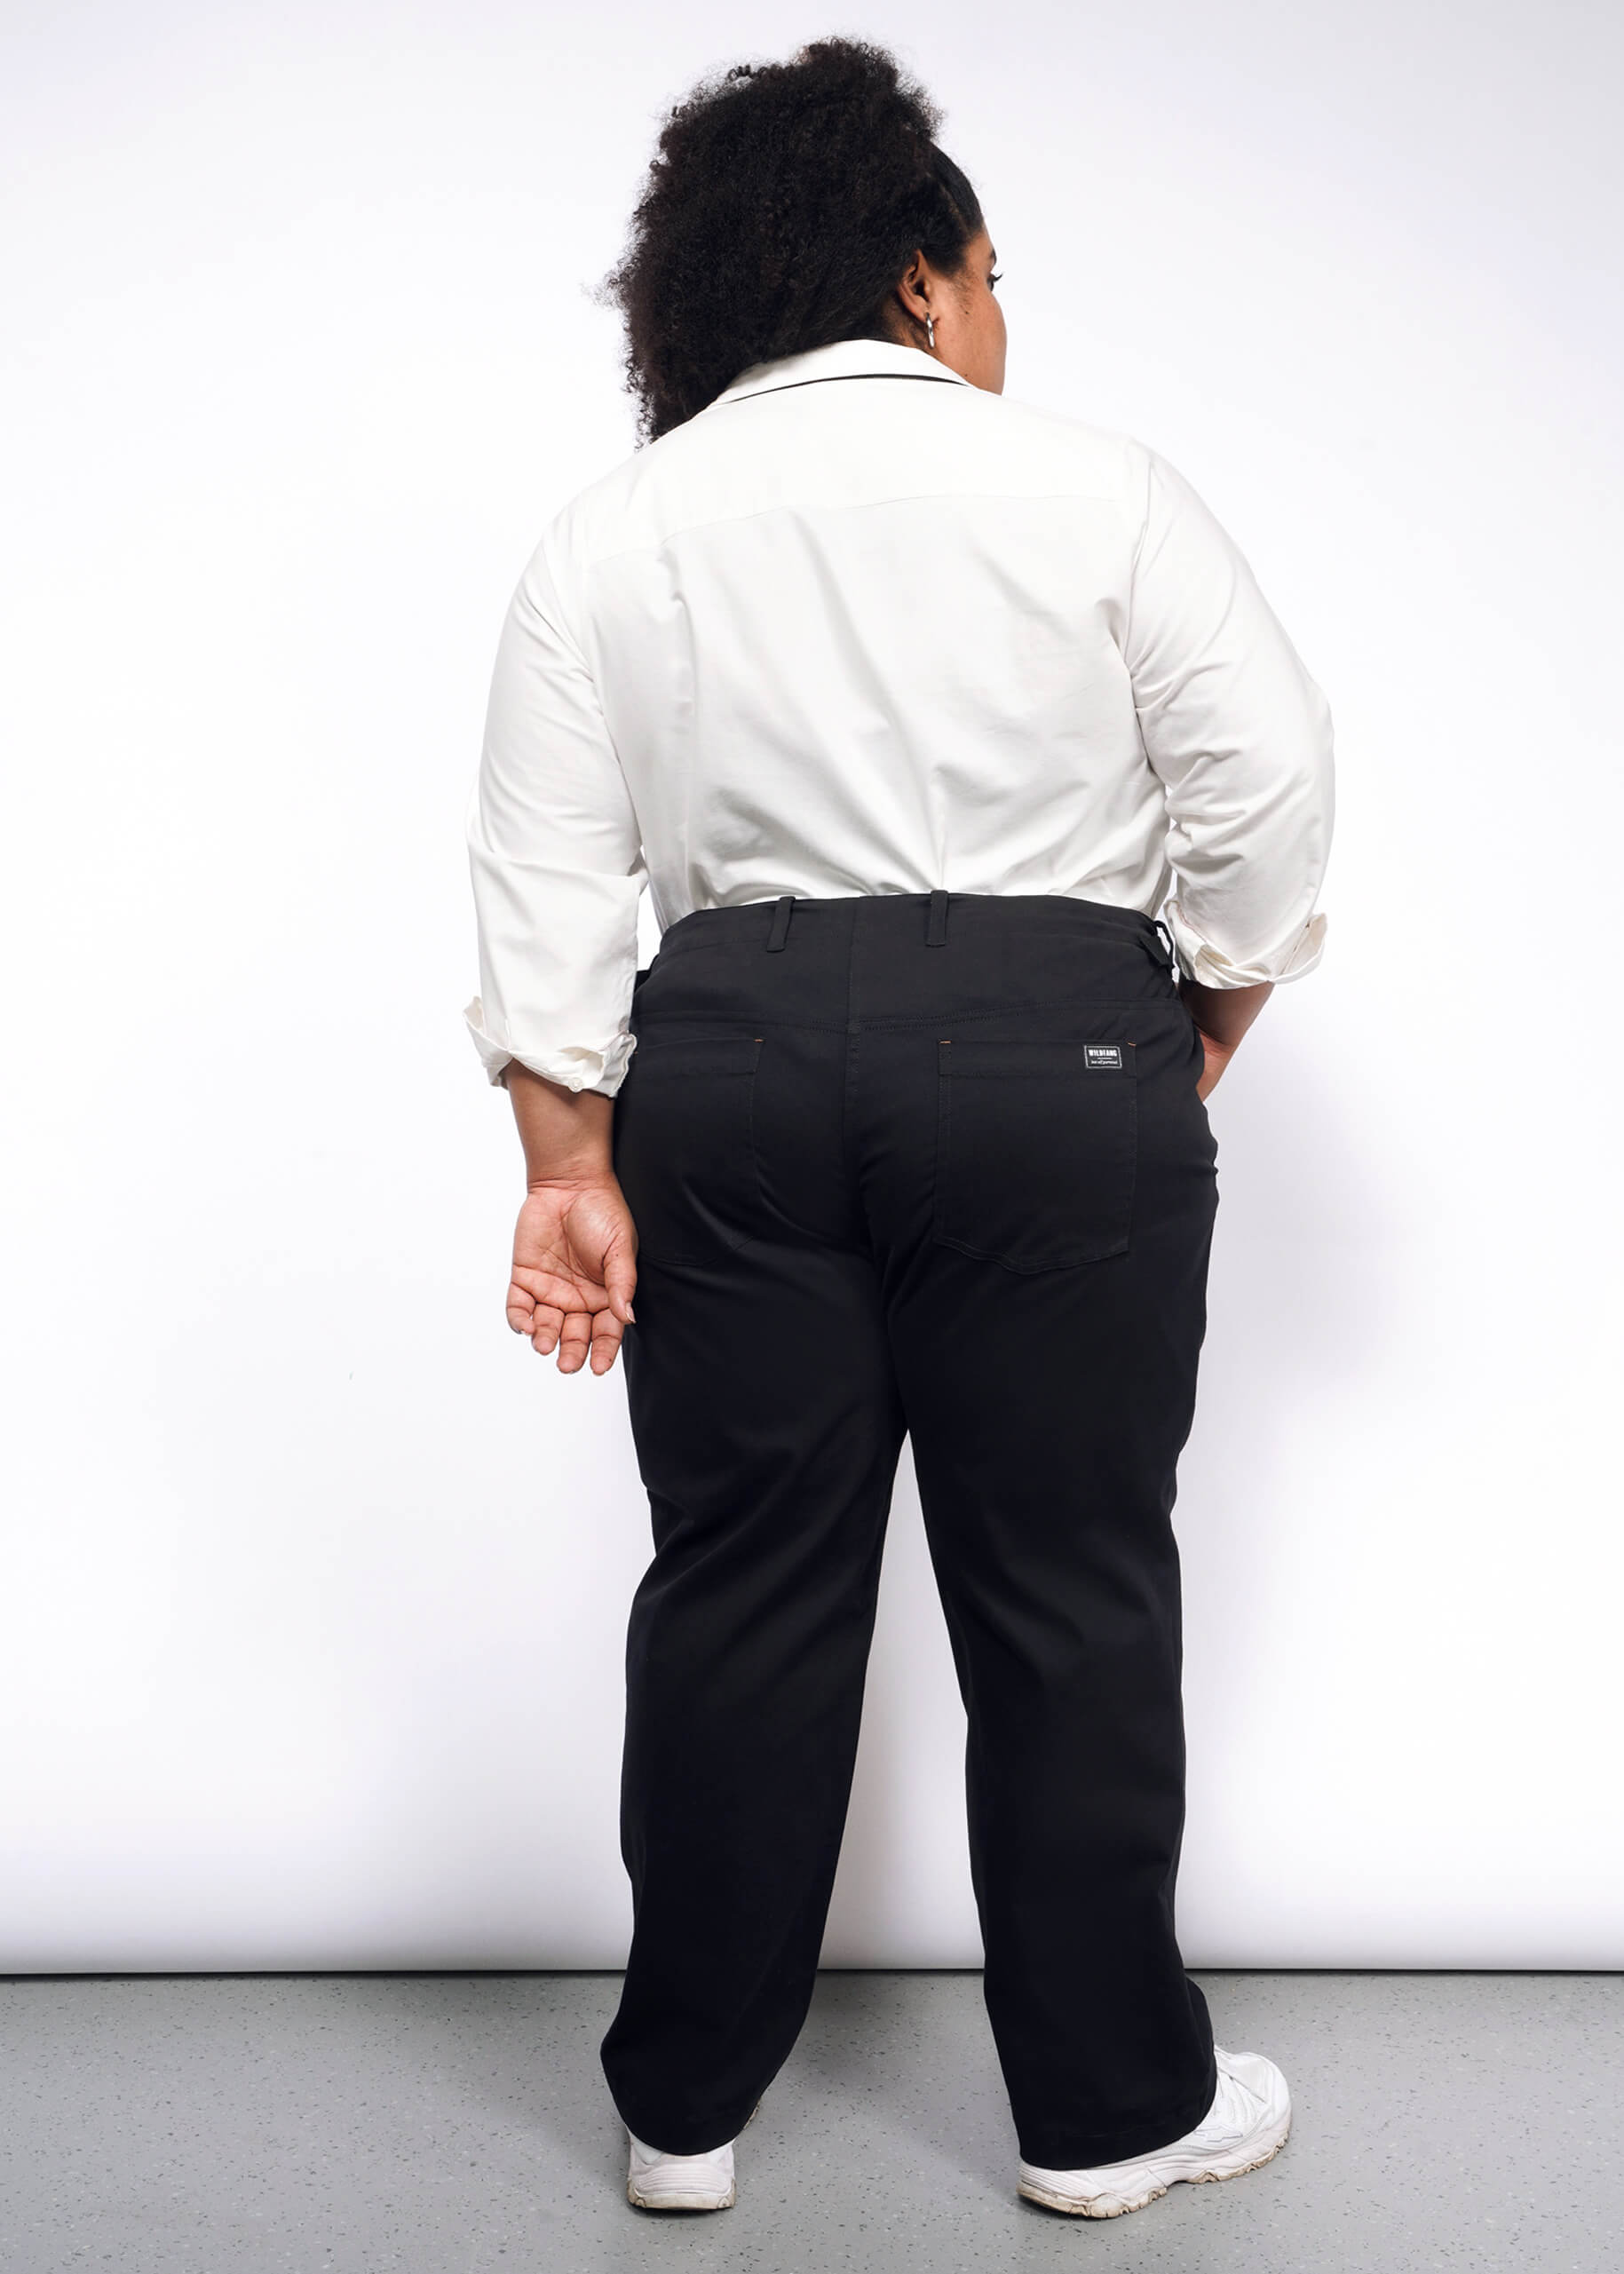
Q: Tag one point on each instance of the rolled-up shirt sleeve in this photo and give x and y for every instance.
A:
(556, 856)
(1240, 735)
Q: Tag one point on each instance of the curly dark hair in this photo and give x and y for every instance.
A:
(784, 202)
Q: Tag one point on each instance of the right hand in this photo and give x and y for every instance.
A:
(1218, 1056)
(1222, 1016)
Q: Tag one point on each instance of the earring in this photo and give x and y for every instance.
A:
(930, 331)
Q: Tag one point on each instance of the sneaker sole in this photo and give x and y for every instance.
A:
(1150, 2176)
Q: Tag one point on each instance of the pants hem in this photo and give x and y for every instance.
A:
(1071, 2150)
(690, 2139)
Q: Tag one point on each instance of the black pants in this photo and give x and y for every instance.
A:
(932, 1164)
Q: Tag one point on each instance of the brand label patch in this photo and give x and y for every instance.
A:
(1104, 1054)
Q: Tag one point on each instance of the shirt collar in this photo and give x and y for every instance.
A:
(840, 359)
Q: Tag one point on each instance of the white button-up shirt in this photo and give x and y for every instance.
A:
(860, 626)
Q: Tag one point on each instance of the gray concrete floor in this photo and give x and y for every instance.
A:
(446, 2124)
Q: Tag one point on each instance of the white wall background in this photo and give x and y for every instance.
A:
(315, 1580)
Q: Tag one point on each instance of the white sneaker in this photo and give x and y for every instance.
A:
(657, 2182)
(1245, 2125)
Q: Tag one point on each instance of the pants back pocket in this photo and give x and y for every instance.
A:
(681, 1136)
(1036, 1151)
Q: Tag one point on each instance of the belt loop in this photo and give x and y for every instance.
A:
(936, 930)
(780, 921)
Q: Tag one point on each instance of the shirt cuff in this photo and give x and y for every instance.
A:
(1209, 967)
(573, 1065)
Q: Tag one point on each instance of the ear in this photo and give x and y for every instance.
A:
(910, 287)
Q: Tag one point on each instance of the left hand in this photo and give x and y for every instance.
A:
(575, 1271)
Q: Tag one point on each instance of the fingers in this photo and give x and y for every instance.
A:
(569, 1333)
(620, 1281)
(607, 1333)
(577, 1337)
(575, 1341)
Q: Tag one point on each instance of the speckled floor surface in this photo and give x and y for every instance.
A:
(445, 2124)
